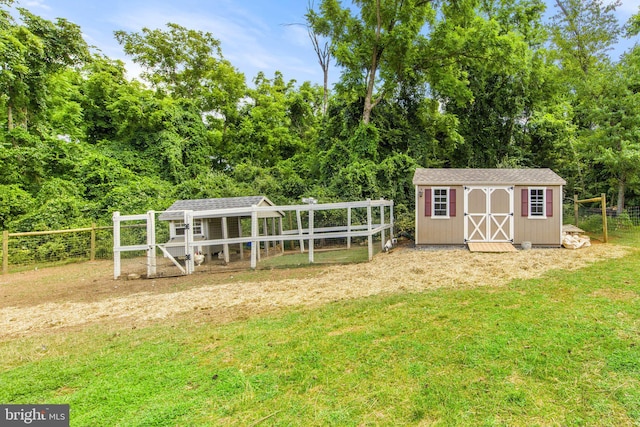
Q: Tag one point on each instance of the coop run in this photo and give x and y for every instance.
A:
(195, 235)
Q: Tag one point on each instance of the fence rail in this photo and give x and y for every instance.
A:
(48, 247)
(375, 224)
(37, 248)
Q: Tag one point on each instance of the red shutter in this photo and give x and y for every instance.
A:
(452, 202)
(524, 203)
(549, 201)
(427, 202)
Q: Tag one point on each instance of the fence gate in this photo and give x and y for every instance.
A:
(131, 238)
(488, 214)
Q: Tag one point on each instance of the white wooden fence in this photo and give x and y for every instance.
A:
(299, 234)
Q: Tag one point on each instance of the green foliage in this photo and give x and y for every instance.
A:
(211, 185)
(376, 45)
(14, 201)
(356, 181)
(137, 195)
(422, 84)
(584, 31)
(395, 177)
(58, 204)
(186, 64)
(22, 159)
(103, 86)
(633, 25)
(274, 122)
(35, 50)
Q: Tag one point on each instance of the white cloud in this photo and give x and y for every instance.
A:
(36, 4)
(297, 35)
(254, 35)
(247, 41)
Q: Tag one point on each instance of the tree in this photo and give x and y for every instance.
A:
(32, 52)
(318, 29)
(616, 134)
(633, 25)
(105, 81)
(377, 47)
(584, 31)
(273, 121)
(188, 64)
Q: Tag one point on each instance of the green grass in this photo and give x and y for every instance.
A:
(333, 256)
(563, 349)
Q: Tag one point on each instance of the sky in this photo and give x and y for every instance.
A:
(255, 35)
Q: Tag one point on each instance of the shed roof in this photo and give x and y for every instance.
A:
(174, 211)
(486, 176)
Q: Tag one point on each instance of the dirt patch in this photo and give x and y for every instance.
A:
(81, 294)
(615, 294)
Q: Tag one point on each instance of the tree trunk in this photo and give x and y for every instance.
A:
(368, 104)
(325, 98)
(621, 188)
(368, 99)
(10, 117)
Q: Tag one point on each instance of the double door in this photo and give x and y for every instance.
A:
(488, 214)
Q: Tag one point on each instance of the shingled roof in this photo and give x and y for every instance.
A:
(486, 177)
(212, 204)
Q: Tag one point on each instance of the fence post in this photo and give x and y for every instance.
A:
(369, 219)
(254, 235)
(391, 219)
(239, 235)
(92, 255)
(116, 244)
(265, 228)
(151, 243)
(383, 241)
(225, 236)
(349, 228)
(605, 230)
(575, 207)
(5, 252)
(188, 242)
(311, 242)
(280, 231)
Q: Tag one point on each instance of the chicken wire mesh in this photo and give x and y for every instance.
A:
(38, 249)
(61, 246)
(54, 247)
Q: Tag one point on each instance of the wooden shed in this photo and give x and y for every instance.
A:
(215, 219)
(459, 206)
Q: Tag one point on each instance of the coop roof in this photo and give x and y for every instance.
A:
(486, 176)
(175, 211)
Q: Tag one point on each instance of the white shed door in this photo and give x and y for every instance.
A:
(488, 214)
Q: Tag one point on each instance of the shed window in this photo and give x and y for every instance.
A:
(536, 202)
(441, 202)
(197, 227)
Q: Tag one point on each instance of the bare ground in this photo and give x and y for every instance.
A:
(77, 295)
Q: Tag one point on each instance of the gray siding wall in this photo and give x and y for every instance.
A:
(214, 226)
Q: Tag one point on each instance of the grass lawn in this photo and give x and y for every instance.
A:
(563, 349)
(322, 256)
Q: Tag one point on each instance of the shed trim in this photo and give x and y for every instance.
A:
(440, 176)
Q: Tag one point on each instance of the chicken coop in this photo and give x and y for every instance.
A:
(203, 233)
(216, 219)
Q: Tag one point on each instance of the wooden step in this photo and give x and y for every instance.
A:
(491, 247)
